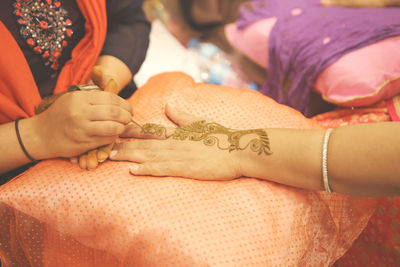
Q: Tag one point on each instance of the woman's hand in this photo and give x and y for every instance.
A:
(91, 159)
(77, 122)
(187, 151)
(111, 75)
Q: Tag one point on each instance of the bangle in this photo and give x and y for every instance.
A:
(22, 144)
(325, 161)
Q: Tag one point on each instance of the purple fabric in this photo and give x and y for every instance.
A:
(308, 37)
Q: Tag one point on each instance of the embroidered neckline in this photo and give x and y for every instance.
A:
(45, 27)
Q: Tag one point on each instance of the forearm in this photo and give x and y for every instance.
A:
(362, 159)
(295, 159)
(12, 155)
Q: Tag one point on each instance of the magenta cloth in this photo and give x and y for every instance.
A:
(308, 37)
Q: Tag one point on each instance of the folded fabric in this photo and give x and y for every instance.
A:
(359, 78)
(56, 214)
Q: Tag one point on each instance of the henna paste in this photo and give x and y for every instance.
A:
(207, 131)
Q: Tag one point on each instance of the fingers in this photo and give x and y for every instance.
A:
(158, 169)
(147, 131)
(138, 155)
(101, 141)
(105, 129)
(148, 148)
(104, 152)
(82, 161)
(107, 98)
(88, 160)
(180, 117)
(145, 155)
(109, 113)
(91, 160)
(126, 151)
(132, 130)
(74, 160)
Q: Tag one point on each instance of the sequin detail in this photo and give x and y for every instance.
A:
(45, 27)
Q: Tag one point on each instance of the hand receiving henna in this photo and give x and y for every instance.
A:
(197, 149)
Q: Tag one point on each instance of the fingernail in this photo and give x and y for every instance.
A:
(113, 153)
(169, 106)
(134, 168)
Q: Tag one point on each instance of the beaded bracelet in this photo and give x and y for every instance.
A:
(325, 161)
(22, 144)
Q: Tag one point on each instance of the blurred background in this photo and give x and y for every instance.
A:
(194, 34)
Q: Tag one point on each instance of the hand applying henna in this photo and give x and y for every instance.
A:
(107, 81)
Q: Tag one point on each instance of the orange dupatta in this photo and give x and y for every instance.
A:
(18, 91)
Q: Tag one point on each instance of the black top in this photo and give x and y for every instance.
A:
(127, 37)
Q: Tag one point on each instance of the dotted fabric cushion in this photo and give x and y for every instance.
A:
(58, 215)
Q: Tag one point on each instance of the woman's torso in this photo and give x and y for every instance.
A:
(45, 76)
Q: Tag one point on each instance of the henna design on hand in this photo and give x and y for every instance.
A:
(208, 131)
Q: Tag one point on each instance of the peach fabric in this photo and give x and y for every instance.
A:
(360, 78)
(346, 116)
(379, 243)
(18, 91)
(56, 214)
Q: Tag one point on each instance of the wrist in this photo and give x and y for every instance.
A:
(295, 159)
(34, 141)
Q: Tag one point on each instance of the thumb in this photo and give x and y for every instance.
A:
(180, 117)
(111, 86)
(102, 80)
(97, 76)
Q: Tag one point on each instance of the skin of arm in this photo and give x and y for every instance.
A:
(362, 159)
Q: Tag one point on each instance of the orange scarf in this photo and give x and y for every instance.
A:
(18, 91)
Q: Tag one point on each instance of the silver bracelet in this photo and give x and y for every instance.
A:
(325, 161)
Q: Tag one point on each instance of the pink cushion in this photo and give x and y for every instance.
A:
(252, 41)
(360, 78)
